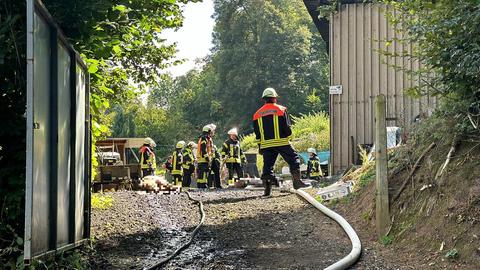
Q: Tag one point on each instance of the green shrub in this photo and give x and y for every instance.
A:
(386, 240)
(311, 130)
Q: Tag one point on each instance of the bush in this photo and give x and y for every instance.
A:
(311, 130)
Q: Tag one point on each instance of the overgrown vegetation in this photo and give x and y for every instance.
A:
(257, 44)
(445, 34)
(121, 45)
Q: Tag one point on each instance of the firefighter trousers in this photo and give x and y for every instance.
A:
(288, 154)
(203, 171)
(187, 176)
(177, 179)
(214, 175)
(232, 169)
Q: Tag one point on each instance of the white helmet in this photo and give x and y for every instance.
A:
(180, 144)
(191, 144)
(213, 126)
(233, 131)
(149, 141)
(311, 150)
(269, 93)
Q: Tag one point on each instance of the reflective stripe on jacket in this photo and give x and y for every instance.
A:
(272, 126)
(188, 158)
(313, 168)
(147, 158)
(177, 161)
(204, 150)
(232, 152)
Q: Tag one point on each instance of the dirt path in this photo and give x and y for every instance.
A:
(242, 231)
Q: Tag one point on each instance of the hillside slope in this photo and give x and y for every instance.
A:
(436, 220)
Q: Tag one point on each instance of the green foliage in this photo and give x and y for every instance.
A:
(101, 201)
(366, 216)
(446, 37)
(367, 177)
(249, 142)
(386, 240)
(311, 130)
(250, 37)
(119, 41)
(12, 133)
(452, 254)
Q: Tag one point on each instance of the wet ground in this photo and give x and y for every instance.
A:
(242, 230)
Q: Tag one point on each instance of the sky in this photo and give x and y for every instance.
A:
(194, 38)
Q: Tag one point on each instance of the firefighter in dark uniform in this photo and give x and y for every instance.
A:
(177, 162)
(204, 155)
(214, 175)
(147, 157)
(271, 124)
(188, 164)
(313, 168)
(233, 155)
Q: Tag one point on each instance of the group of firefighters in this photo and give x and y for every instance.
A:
(272, 127)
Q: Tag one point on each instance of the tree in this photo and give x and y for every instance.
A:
(121, 44)
(447, 37)
(261, 44)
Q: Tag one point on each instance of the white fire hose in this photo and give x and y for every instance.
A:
(353, 256)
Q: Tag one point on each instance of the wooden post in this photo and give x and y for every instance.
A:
(382, 205)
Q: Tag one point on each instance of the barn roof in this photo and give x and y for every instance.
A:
(322, 24)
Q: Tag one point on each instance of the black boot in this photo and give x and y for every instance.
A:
(267, 183)
(297, 182)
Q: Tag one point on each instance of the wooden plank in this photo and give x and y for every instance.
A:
(382, 207)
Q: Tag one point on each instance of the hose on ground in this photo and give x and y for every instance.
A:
(184, 246)
(354, 254)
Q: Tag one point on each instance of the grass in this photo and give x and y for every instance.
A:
(386, 240)
(101, 201)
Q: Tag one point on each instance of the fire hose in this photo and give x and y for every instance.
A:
(184, 246)
(344, 263)
(354, 254)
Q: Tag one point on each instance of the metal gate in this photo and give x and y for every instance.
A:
(57, 197)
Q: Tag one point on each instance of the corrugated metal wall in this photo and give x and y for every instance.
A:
(358, 35)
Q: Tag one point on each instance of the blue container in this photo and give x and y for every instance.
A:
(324, 157)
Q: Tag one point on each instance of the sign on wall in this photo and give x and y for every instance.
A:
(57, 197)
(336, 90)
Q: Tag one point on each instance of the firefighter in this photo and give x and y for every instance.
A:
(188, 164)
(271, 124)
(177, 162)
(214, 176)
(233, 156)
(204, 154)
(147, 157)
(313, 169)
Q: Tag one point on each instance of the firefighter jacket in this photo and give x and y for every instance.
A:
(272, 126)
(147, 158)
(313, 168)
(188, 158)
(204, 149)
(232, 153)
(177, 161)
